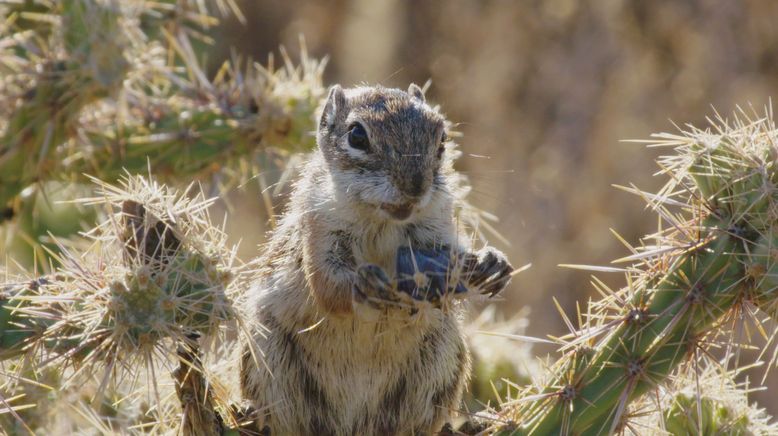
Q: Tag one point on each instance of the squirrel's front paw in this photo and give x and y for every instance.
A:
(488, 271)
(373, 292)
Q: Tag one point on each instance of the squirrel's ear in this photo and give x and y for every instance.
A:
(334, 107)
(415, 91)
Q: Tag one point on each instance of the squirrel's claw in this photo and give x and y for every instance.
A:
(374, 292)
(489, 271)
(373, 282)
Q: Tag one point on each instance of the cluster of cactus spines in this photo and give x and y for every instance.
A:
(704, 401)
(100, 86)
(157, 274)
(708, 260)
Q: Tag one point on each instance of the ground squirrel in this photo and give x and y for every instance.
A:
(342, 352)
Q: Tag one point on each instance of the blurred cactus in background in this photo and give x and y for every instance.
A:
(102, 86)
(107, 329)
(500, 360)
(98, 86)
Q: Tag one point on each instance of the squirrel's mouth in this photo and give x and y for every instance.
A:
(399, 212)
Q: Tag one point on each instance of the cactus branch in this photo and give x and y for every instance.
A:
(157, 272)
(681, 289)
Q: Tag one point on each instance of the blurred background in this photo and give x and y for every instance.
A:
(543, 91)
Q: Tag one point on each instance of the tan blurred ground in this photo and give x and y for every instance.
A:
(544, 90)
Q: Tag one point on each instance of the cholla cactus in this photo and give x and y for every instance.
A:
(47, 86)
(764, 271)
(706, 269)
(157, 275)
(100, 86)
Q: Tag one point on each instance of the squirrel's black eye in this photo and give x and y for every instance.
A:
(357, 137)
(442, 145)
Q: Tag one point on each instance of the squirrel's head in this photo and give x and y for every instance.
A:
(384, 148)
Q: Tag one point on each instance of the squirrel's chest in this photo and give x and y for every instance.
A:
(378, 248)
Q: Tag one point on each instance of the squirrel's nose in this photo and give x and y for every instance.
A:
(417, 185)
